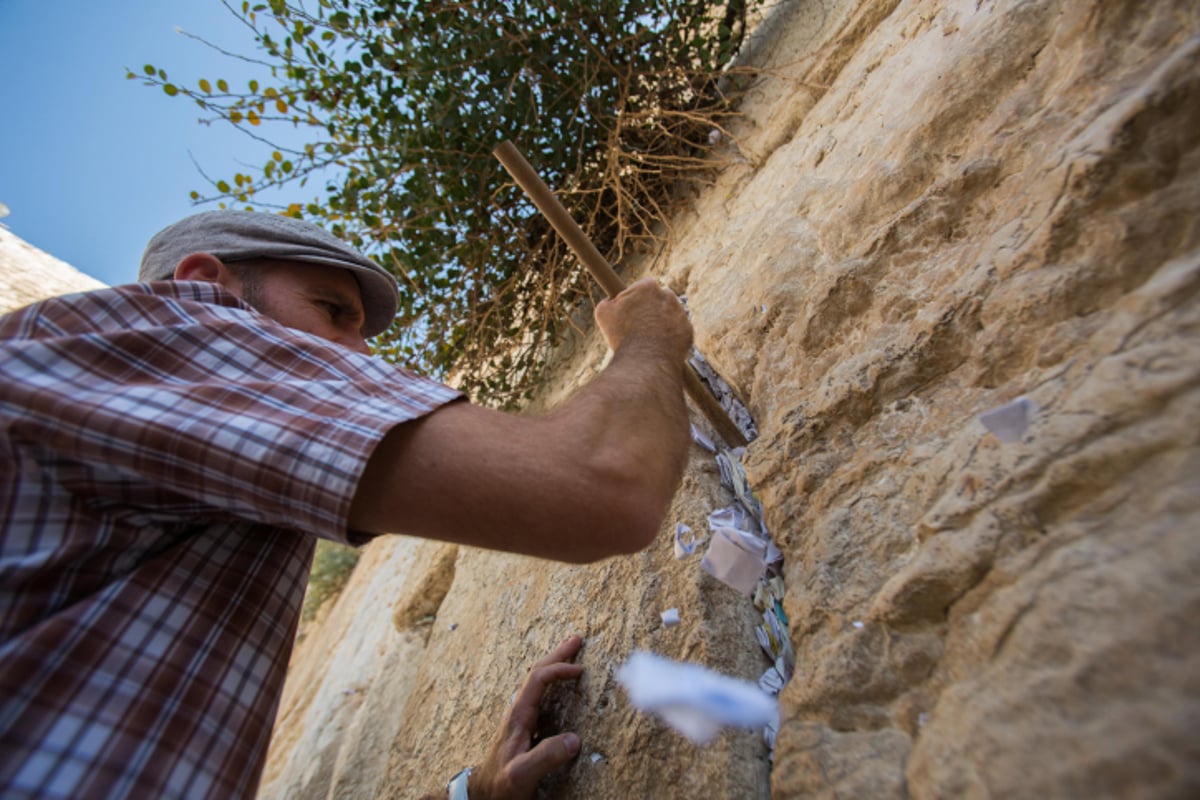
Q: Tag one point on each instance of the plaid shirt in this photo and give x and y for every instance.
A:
(168, 456)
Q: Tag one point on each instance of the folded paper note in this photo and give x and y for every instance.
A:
(736, 558)
(734, 516)
(734, 408)
(771, 681)
(692, 699)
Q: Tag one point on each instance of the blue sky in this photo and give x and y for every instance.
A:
(92, 164)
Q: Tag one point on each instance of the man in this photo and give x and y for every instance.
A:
(171, 450)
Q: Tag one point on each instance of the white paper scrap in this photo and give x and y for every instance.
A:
(699, 438)
(771, 681)
(734, 516)
(770, 731)
(735, 558)
(764, 641)
(737, 412)
(670, 617)
(1009, 421)
(733, 477)
(685, 542)
(692, 699)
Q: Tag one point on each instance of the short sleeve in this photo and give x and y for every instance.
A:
(176, 400)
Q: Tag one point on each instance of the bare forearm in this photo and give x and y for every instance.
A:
(632, 420)
(590, 480)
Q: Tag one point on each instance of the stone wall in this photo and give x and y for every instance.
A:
(939, 206)
(28, 274)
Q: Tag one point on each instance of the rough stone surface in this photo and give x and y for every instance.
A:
(28, 274)
(350, 676)
(942, 206)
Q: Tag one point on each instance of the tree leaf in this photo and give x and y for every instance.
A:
(401, 103)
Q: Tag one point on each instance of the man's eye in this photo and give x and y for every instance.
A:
(333, 309)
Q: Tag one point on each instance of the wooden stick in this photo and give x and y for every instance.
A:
(541, 195)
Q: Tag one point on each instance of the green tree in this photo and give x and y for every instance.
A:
(613, 101)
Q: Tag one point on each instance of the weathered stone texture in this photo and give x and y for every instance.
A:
(28, 274)
(943, 205)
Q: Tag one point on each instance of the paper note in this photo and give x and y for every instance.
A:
(692, 699)
(736, 411)
(699, 438)
(685, 541)
(736, 558)
(1009, 421)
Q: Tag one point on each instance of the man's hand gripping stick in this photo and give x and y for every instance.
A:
(541, 195)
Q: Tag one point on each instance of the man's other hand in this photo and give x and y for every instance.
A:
(513, 768)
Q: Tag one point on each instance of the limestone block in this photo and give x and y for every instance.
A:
(944, 205)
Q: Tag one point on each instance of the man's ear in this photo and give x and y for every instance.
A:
(207, 267)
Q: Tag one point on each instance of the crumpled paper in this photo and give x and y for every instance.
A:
(772, 634)
(739, 551)
(771, 681)
(770, 732)
(742, 555)
(694, 700)
(686, 542)
(734, 516)
(701, 439)
(733, 477)
(733, 407)
(736, 558)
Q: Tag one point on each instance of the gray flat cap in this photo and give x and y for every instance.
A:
(244, 235)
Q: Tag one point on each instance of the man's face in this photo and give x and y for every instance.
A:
(324, 301)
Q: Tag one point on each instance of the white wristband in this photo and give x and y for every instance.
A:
(456, 789)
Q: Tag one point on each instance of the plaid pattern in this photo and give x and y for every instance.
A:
(167, 457)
